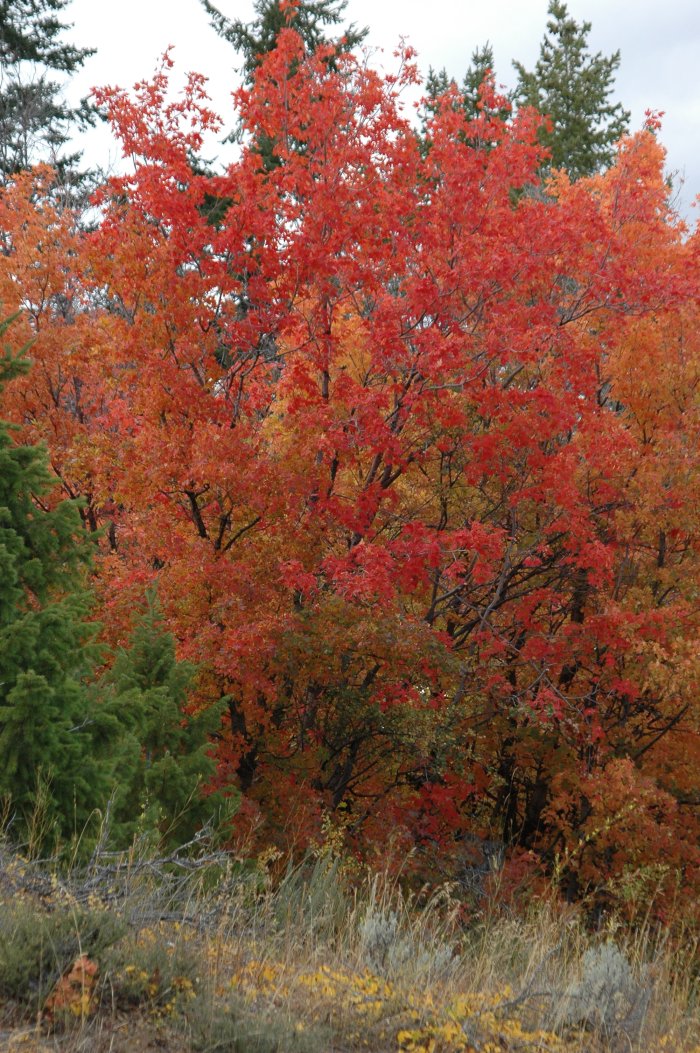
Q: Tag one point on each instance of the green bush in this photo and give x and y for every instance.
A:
(37, 948)
(149, 968)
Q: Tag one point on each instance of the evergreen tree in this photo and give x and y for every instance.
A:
(253, 40)
(573, 88)
(481, 66)
(437, 83)
(53, 738)
(35, 123)
(309, 18)
(160, 786)
(68, 743)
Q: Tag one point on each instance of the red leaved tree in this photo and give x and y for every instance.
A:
(410, 444)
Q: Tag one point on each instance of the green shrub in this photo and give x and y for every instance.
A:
(153, 968)
(37, 948)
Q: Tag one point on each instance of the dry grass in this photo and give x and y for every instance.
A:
(203, 953)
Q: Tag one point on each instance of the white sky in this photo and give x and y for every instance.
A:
(659, 42)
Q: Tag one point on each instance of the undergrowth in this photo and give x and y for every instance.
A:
(200, 952)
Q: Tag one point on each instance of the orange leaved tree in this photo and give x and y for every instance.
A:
(409, 441)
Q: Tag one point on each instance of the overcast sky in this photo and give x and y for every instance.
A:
(659, 42)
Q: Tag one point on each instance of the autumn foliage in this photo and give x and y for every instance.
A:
(409, 442)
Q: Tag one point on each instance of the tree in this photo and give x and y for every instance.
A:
(160, 788)
(53, 737)
(310, 18)
(481, 66)
(35, 123)
(253, 40)
(439, 552)
(70, 741)
(479, 75)
(573, 88)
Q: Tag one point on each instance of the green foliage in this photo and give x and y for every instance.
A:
(51, 731)
(145, 969)
(229, 1029)
(437, 83)
(36, 948)
(66, 745)
(35, 123)
(310, 20)
(167, 760)
(314, 895)
(481, 66)
(573, 88)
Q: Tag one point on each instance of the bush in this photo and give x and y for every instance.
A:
(36, 949)
(607, 998)
(154, 968)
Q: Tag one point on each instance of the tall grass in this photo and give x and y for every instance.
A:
(220, 954)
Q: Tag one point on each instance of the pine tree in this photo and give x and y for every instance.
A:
(35, 123)
(309, 18)
(438, 82)
(573, 88)
(253, 40)
(160, 789)
(481, 66)
(53, 738)
(67, 741)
